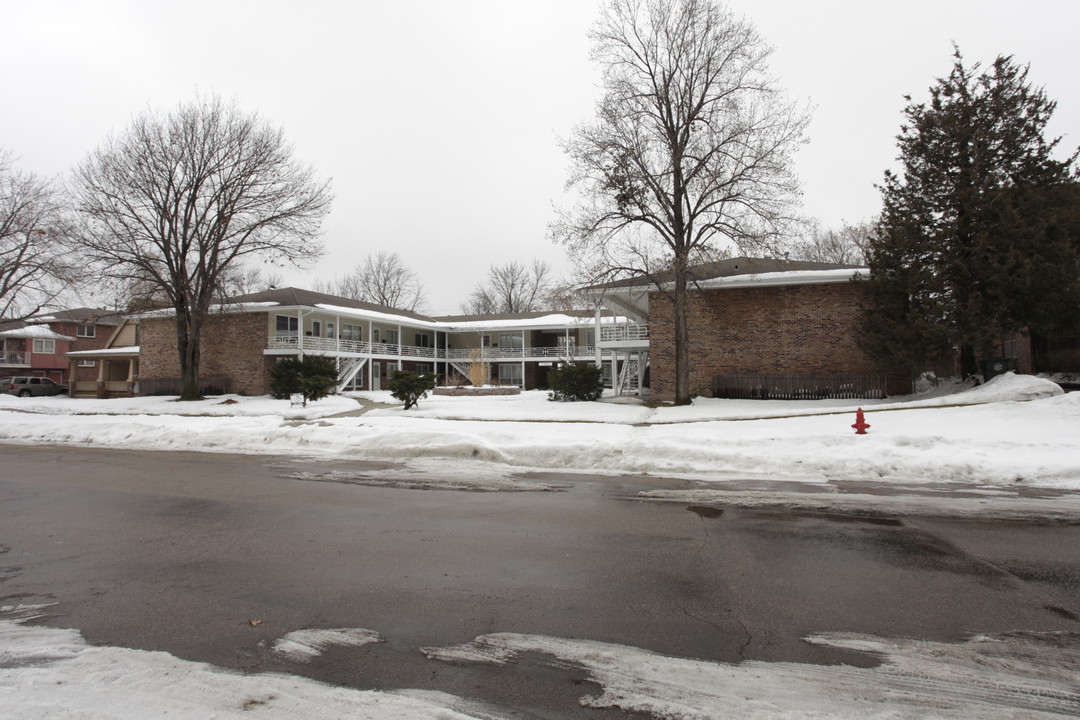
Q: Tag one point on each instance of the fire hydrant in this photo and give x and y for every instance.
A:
(860, 423)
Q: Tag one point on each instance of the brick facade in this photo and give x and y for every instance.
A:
(232, 345)
(794, 330)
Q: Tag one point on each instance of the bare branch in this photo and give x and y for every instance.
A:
(179, 199)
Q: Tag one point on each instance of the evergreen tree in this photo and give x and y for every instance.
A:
(978, 234)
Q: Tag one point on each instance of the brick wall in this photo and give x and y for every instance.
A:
(232, 345)
(796, 330)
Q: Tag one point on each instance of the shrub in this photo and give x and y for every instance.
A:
(314, 376)
(576, 381)
(410, 388)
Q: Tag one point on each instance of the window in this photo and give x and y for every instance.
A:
(590, 338)
(45, 347)
(87, 331)
(374, 334)
(511, 340)
(87, 363)
(329, 329)
(287, 325)
(423, 340)
(351, 332)
(1008, 349)
(510, 374)
(422, 368)
(316, 328)
(392, 337)
(486, 341)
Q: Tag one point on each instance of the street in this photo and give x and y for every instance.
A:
(213, 558)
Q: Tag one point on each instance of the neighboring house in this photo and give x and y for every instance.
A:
(758, 327)
(37, 347)
(243, 338)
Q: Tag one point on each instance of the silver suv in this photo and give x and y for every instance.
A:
(32, 387)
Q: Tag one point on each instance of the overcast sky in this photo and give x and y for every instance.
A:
(439, 121)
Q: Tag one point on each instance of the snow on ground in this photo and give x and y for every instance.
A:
(1016, 676)
(1013, 431)
(53, 673)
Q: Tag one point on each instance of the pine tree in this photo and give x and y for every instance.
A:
(978, 234)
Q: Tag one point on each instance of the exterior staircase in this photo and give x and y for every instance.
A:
(348, 371)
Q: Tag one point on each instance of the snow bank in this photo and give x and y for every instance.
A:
(1014, 430)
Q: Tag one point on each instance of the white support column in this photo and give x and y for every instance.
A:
(399, 344)
(371, 355)
(596, 339)
(300, 332)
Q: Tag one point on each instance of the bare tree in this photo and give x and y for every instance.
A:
(383, 279)
(179, 199)
(846, 246)
(34, 267)
(511, 288)
(690, 150)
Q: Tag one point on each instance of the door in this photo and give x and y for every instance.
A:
(376, 376)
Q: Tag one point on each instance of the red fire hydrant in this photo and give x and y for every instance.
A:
(860, 423)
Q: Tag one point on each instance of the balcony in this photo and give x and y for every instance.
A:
(624, 333)
(330, 346)
(11, 358)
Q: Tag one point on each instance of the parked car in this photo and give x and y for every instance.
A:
(32, 387)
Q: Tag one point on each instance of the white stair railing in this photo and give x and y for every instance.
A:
(348, 372)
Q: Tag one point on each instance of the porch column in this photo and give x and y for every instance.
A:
(100, 389)
(596, 339)
(400, 344)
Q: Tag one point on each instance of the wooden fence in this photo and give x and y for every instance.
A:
(213, 385)
(798, 387)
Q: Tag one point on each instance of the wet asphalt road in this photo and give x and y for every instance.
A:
(183, 552)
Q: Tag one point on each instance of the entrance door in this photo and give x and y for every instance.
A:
(376, 376)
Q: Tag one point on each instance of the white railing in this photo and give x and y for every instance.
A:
(322, 346)
(12, 357)
(319, 345)
(615, 333)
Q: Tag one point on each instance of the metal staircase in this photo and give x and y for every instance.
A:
(348, 371)
(628, 381)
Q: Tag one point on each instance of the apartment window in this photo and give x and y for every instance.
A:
(511, 340)
(510, 374)
(422, 368)
(316, 328)
(87, 363)
(85, 331)
(392, 337)
(329, 329)
(590, 338)
(351, 332)
(287, 325)
(45, 347)
(423, 340)
(374, 334)
(486, 341)
(1009, 349)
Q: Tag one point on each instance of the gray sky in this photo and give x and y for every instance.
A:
(439, 121)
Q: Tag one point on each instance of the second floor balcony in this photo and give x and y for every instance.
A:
(12, 358)
(352, 348)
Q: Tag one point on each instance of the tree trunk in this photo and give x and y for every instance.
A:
(968, 364)
(682, 337)
(187, 342)
(1040, 352)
